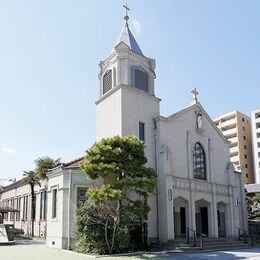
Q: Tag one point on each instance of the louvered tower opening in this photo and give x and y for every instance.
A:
(107, 81)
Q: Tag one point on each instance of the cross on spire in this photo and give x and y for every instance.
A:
(126, 17)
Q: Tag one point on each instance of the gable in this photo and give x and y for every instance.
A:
(187, 118)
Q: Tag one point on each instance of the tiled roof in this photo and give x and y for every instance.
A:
(74, 163)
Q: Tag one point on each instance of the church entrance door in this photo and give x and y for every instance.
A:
(180, 211)
(204, 220)
(183, 220)
(202, 217)
(221, 212)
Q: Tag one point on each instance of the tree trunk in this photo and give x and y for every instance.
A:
(106, 237)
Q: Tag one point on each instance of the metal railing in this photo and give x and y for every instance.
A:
(201, 240)
(242, 233)
(194, 234)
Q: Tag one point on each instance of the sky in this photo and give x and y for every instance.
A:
(49, 55)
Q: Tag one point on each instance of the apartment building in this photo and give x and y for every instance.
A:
(236, 127)
(256, 143)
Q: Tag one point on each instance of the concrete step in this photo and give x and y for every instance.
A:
(208, 244)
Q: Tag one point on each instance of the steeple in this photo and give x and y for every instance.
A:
(127, 65)
(127, 37)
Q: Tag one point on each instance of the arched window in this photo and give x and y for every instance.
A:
(199, 162)
(107, 81)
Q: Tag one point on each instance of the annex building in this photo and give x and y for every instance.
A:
(197, 186)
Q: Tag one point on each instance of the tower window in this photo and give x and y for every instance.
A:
(107, 81)
(141, 79)
(199, 162)
(142, 131)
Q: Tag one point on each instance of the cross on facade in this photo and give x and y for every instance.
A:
(126, 12)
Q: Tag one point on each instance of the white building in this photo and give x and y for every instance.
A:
(197, 185)
(255, 117)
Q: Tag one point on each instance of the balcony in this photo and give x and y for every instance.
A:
(234, 159)
(230, 132)
(234, 141)
(231, 123)
(233, 151)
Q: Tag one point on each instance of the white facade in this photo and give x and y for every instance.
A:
(255, 117)
(18, 196)
(197, 187)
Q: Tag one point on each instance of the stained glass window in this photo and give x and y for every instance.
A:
(199, 162)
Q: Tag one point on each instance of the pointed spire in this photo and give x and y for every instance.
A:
(127, 36)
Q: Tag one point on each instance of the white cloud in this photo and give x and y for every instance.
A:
(8, 150)
(137, 26)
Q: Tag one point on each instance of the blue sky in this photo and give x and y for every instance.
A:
(49, 55)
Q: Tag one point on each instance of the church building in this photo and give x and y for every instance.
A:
(197, 187)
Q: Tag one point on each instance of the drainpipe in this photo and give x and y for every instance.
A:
(69, 196)
(156, 168)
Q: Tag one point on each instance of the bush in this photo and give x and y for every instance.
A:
(90, 234)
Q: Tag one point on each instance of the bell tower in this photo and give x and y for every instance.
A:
(126, 94)
(127, 104)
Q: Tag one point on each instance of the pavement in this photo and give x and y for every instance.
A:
(36, 251)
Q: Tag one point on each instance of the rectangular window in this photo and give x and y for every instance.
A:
(258, 145)
(245, 147)
(18, 207)
(258, 154)
(243, 119)
(243, 128)
(247, 175)
(54, 203)
(25, 207)
(245, 156)
(245, 165)
(142, 131)
(257, 135)
(81, 195)
(257, 125)
(244, 137)
(43, 205)
(6, 214)
(12, 213)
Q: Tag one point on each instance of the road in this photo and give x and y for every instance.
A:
(41, 252)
